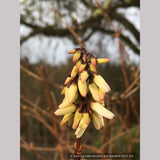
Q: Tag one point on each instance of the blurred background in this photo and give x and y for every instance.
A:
(49, 29)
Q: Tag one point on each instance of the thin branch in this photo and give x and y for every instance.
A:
(94, 149)
(78, 148)
(131, 92)
(88, 23)
(135, 3)
(48, 96)
(35, 106)
(39, 78)
(31, 73)
(39, 148)
(116, 137)
(68, 27)
(130, 87)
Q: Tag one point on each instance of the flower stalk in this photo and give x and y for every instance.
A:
(78, 148)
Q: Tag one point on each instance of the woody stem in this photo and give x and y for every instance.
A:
(77, 150)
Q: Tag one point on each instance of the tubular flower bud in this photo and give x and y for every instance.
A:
(72, 91)
(66, 93)
(64, 111)
(101, 94)
(101, 110)
(64, 104)
(68, 79)
(101, 83)
(102, 60)
(78, 64)
(92, 68)
(86, 118)
(77, 118)
(84, 58)
(97, 120)
(100, 119)
(63, 91)
(84, 76)
(82, 126)
(82, 87)
(82, 67)
(93, 61)
(66, 118)
(73, 51)
(94, 91)
(76, 56)
(74, 72)
(84, 93)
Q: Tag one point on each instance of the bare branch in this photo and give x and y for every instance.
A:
(39, 78)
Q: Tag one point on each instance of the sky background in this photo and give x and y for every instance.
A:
(55, 50)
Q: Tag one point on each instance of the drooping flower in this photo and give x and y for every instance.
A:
(84, 94)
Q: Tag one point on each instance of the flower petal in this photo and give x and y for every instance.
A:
(96, 121)
(64, 104)
(72, 91)
(63, 91)
(86, 118)
(82, 87)
(82, 67)
(72, 51)
(66, 110)
(74, 72)
(92, 68)
(84, 58)
(78, 64)
(76, 56)
(84, 76)
(81, 128)
(101, 110)
(101, 120)
(66, 118)
(101, 83)
(102, 60)
(77, 118)
(101, 94)
(93, 60)
(94, 91)
(68, 79)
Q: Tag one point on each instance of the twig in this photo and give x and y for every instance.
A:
(42, 149)
(39, 78)
(123, 67)
(68, 27)
(48, 96)
(78, 148)
(31, 73)
(35, 106)
(116, 137)
(55, 104)
(130, 87)
(106, 16)
(122, 121)
(94, 149)
(131, 92)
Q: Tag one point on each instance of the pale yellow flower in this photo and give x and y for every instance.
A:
(84, 94)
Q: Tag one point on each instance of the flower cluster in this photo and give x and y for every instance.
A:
(84, 93)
